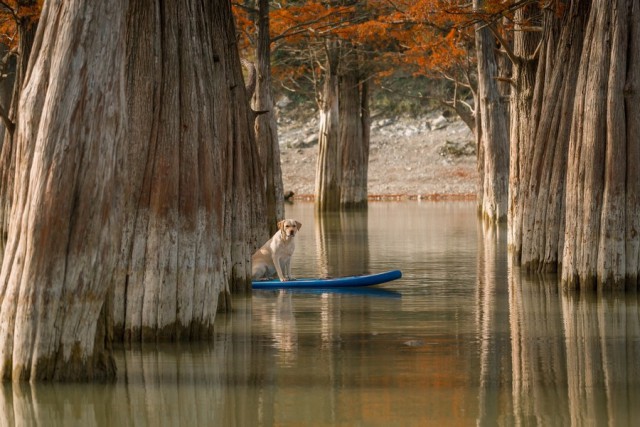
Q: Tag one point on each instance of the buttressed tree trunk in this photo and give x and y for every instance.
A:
(328, 166)
(354, 129)
(601, 238)
(495, 135)
(536, 229)
(265, 126)
(65, 223)
(188, 132)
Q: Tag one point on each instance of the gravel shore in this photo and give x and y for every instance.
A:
(410, 158)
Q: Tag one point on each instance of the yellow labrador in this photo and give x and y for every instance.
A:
(275, 255)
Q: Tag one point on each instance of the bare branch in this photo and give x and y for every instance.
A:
(507, 48)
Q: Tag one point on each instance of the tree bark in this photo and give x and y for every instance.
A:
(495, 135)
(26, 34)
(632, 122)
(245, 224)
(328, 171)
(354, 133)
(523, 74)
(599, 191)
(190, 172)
(65, 223)
(265, 125)
(543, 162)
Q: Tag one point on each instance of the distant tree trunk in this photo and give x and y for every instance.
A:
(26, 34)
(601, 235)
(65, 223)
(495, 135)
(523, 75)
(265, 126)
(479, 153)
(328, 170)
(536, 228)
(354, 124)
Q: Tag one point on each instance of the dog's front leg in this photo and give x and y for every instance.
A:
(287, 269)
(278, 265)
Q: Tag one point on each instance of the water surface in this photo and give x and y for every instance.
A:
(461, 339)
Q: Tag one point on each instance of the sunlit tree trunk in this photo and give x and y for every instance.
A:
(495, 134)
(354, 133)
(328, 170)
(523, 74)
(601, 238)
(537, 226)
(265, 125)
(66, 222)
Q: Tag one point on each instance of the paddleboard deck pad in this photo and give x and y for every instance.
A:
(333, 282)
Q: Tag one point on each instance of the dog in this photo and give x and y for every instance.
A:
(275, 255)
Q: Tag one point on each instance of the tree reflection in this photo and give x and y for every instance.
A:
(603, 357)
(490, 319)
(342, 241)
(576, 356)
(538, 352)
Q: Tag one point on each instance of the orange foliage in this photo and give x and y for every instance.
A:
(433, 38)
(13, 12)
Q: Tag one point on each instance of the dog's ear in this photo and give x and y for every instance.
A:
(298, 225)
(280, 224)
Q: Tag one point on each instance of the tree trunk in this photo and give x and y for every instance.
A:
(328, 170)
(245, 219)
(479, 153)
(523, 84)
(537, 217)
(601, 188)
(189, 131)
(632, 122)
(65, 223)
(265, 125)
(354, 132)
(26, 34)
(495, 135)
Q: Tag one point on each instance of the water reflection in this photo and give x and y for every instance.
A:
(603, 358)
(491, 318)
(463, 338)
(342, 243)
(576, 357)
(538, 350)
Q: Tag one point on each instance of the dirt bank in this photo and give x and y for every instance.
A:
(429, 157)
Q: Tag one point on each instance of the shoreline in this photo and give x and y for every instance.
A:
(434, 197)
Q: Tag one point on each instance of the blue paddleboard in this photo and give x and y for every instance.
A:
(335, 282)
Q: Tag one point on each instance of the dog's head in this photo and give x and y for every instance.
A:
(289, 227)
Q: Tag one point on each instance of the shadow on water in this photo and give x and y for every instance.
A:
(473, 340)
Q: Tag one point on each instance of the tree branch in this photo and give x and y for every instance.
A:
(507, 49)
